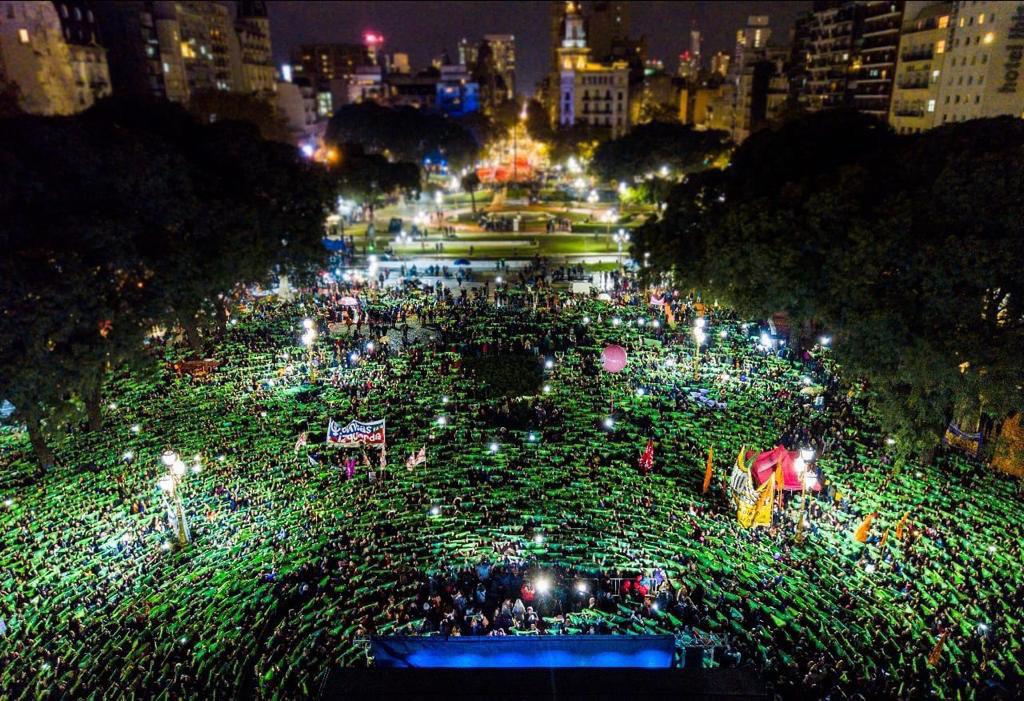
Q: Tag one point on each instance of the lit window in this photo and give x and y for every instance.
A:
(935, 76)
(990, 37)
(981, 18)
(931, 105)
(943, 21)
(961, 21)
(940, 46)
(23, 35)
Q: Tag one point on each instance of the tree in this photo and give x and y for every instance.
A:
(402, 134)
(470, 182)
(578, 140)
(538, 122)
(209, 106)
(650, 147)
(367, 176)
(878, 241)
(124, 217)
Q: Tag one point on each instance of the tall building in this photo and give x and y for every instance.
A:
(696, 47)
(400, 63)
(751, 38)
(456, 93)
(607, 25)
(321, 63)
(467, 52)
(590, 92)
(209, 46)
(503, 52)
(252, 26)
(88, 57)
(374, 43)
(851, 55)
(915, 94)
(762, 91)
(128, 31)
(172, 53)
(869, 82)
(982, 67)
(720, 63)
(687, 66)
(35, 57)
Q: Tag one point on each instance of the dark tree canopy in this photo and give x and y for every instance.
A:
(370, 175)
(129, 216)
(210, 106)
(907, 250)
(649, 147)
(402, 133)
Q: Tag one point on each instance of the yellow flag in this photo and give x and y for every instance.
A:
(670, 316)
(758, 513)
(707, 470)
(861, 534)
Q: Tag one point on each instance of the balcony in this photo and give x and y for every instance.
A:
(913, 84)
(918, 54)
(908, 112)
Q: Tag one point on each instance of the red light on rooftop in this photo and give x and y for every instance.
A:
(373, 38)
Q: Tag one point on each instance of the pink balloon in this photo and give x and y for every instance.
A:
(613, 358)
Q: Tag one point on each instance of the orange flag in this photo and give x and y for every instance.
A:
(901, 525)
(707, 471)
(933, 659)
(885, 537)
(779, 481)
(861, 535)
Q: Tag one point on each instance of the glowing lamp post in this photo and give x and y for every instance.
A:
(621, 237)
(802, 465)
(309, 340)
(699, 336)
(170, 487)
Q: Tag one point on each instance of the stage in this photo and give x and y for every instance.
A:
(555, 684)
(532, 667)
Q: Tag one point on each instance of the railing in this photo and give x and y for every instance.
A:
(904, 112)
(918, 55)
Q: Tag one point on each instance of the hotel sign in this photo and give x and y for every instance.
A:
(1014, 53)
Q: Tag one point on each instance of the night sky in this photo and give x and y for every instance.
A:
(423, 29)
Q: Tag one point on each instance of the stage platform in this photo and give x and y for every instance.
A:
(535, 667)
(567, 684)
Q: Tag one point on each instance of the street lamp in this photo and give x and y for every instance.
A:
(515, 144)
(699, 337)
(803, 470)
(308, 340)
(170, 485)
(621, 237)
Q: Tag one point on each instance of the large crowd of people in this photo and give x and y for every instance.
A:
(528, 514)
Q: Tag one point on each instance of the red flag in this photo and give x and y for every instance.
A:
(647, 459)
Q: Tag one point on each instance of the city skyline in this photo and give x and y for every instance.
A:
(666, 26)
